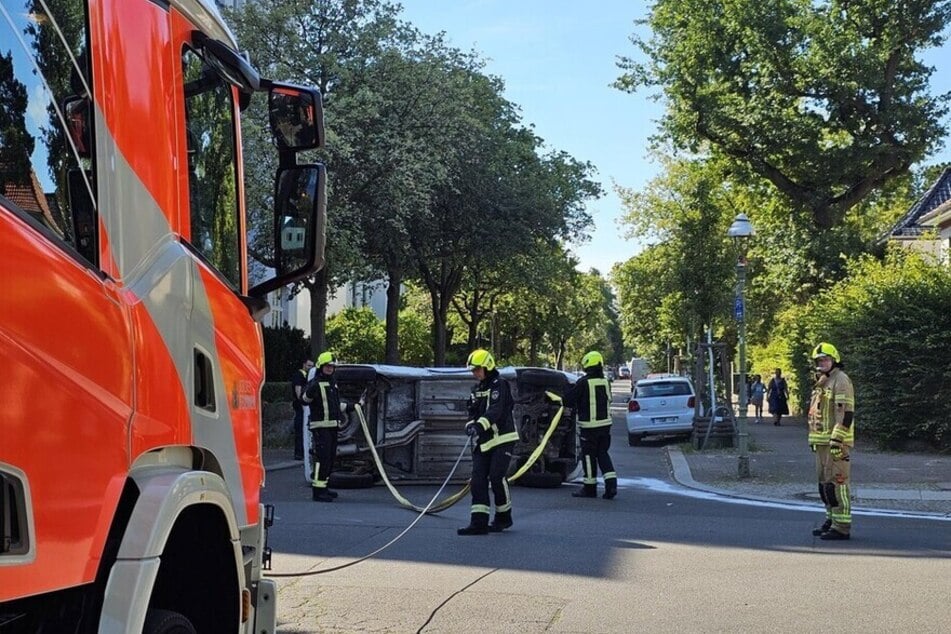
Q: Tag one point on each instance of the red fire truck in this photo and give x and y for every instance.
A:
(132, 356)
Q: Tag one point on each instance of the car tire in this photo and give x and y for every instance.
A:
(350, 480)
(540, 480)
(634, 439)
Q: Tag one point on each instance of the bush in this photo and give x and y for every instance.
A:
(356, 335)
(891, 322)
(285, 349)
(276, 392)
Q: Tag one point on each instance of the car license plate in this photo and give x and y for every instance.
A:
(664, 421)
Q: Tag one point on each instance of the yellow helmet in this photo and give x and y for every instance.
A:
(826, 350)
(592, 359)
(481, 359)
(324, 358)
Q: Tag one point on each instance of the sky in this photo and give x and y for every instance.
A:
(558, 59)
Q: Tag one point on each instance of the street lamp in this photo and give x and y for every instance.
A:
(741, 231)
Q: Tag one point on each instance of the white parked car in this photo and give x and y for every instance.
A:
(660, 405)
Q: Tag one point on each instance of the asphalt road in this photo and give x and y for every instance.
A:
(658, 558)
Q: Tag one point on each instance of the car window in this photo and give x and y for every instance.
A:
(667, 388)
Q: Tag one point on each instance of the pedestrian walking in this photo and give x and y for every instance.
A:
(298, 383)
(590, 397)
(325, 419)
(757, 392)
(777, 395)
(831, 437)
(493, 429)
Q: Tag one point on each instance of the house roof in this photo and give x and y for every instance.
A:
(30, 198)
(938, 217)
(909, 225)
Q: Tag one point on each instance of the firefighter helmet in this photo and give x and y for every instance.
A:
(826, 350)
(481, 359)
(591, 360)
(326, 357)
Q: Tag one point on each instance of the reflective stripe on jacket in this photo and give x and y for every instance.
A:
(492, 408)
(832, 397)
(325, 407)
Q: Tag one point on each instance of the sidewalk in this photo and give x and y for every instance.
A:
(783, 468)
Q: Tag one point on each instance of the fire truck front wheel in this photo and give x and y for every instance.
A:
(167, 622)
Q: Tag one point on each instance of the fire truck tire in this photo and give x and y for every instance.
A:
(167, 622)
(350, 480)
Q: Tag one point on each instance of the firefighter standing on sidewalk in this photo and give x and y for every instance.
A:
(591, 399)
(831, 437)
(325, 418)
(493, 428)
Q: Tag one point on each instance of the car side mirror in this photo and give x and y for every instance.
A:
(296, 117)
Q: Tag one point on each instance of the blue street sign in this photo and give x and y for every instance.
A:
(738, 308)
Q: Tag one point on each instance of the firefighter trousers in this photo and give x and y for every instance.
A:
(489, 468)
(595, 443)
(835, 487)
(324, 439)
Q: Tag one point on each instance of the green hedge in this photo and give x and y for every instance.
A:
(276, 392)
(285, 349)
(891, 321)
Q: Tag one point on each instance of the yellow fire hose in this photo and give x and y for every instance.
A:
(452, 499)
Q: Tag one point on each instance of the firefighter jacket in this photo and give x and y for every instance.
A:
(491, 407)
(591, 399)
(832, 397)
(321, 393)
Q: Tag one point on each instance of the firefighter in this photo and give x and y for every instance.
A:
(493, 430)
(831, 437)
(325, 418)
(298, 383)
(591, 399)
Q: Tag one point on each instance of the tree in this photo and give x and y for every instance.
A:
(825, 100)
(322, 43)
(356, 336)
(16, 143)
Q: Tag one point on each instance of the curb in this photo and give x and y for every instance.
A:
(680, 471)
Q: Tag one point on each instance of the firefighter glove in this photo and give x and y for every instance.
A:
(813, 447)
(310, 391)
(835, 448)
(472, 428)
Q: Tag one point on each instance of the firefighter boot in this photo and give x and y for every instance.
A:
(822, 530)
(332, 494)
(833, 535)
(610, 488)
(478, 525)
(501, 521)
(587, 491)
(320, 495)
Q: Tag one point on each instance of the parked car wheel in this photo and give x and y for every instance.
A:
(540, 480)
(350, 480)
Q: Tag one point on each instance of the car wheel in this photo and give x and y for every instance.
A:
(350, 480)
(634, 439)
(540, 480)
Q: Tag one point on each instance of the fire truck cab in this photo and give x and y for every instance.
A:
(130, 410)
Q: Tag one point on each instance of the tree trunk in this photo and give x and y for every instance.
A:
(318, 312)
(392, 316)
(440, 310)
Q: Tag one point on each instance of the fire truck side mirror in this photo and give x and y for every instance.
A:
(297, 117)
(300, 220)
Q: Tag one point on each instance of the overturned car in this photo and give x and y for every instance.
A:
(416, 420)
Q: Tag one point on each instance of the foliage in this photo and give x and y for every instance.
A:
(276, 392)
(825, 100)
(415, 338)
(356, 336)
(891, 323)
(285, 350)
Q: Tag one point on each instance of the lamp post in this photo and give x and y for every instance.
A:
(741, 231)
